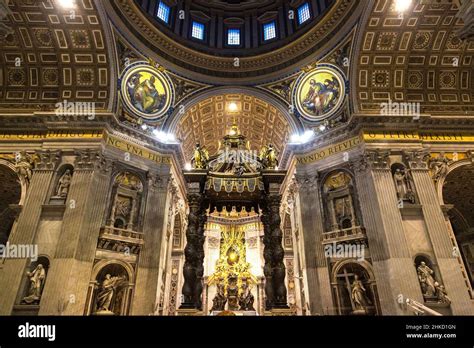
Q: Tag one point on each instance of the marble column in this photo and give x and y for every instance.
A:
(393, 266)
(192, 254)
(440, 236)
(65, 292)
(154, 229)
(26, 228)
(312, 229)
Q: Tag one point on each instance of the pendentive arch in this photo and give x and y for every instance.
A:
(206, 119)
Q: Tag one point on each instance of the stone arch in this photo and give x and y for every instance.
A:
(456, 190)
(13, 192)
(263, 118)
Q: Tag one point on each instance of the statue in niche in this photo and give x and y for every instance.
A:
(220, 300)
(403, 186)
(359, 297)
(268, 157)
(200, 158)
(105, 296)
(427, 281)
(246, 298)
(37, 278)
(63, 184)
(342, 209)
(442, 294)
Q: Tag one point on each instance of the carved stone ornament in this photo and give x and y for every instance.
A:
(417, 160)
(307, 182)
(378, 159)
(86, 159)
(47, 160)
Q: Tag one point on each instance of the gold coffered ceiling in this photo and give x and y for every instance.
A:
(209, 120)
(415, 58)
(53, 54)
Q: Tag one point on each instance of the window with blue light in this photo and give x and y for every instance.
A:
(304, 13)
(163, 12)
(233, 37)
(269, 31)
(197, 31)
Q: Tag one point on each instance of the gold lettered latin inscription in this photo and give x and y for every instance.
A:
(49, 135)
(418, 136)
(329, 151)
(137, 150)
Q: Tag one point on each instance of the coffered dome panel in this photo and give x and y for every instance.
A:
(209, 120)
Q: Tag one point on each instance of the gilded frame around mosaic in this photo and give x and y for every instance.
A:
(145, 91)
(319, 93)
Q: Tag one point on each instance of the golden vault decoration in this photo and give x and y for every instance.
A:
(146, 92)
(319, 93)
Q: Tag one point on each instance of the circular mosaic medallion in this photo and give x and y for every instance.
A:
(319, 93)
(146, 91)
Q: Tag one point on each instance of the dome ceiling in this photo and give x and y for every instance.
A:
(237, 5)
(171, 43)
(249, 17)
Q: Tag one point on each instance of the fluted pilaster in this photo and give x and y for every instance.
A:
(65, 291)
(153, 227)
(25, 232)
(440, 236)
(312, 229)
(393, 266)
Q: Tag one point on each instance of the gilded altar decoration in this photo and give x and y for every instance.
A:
(146, 91)
(268, 157)
(319, 93)
(232, 277)
(200, 158)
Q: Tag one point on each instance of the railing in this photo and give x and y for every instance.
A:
(348, 234)
(119, 234)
